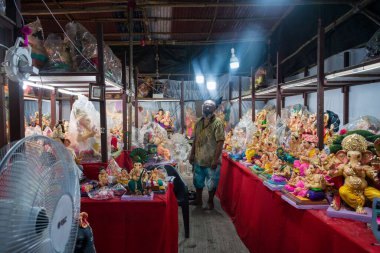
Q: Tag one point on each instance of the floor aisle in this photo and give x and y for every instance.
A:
(210, 232)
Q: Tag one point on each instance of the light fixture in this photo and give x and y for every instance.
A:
(200, 79)
(211, 85)
(27, 83)
(111, 83)
(234, 61)
(63, 91)
(299, 83)
(353, 71)
(159, 100)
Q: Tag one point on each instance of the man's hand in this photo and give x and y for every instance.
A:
(214, 165)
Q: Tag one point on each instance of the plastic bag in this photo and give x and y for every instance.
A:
(373, 46)
(369, 123)
(59, 59)
(36, 41)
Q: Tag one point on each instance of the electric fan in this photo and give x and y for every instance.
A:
(18, 62)
(39, 197)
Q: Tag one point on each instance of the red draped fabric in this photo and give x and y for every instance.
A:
(134, 226)
(267, 224)
(91, 170)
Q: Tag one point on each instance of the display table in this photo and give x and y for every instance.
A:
(266, 223)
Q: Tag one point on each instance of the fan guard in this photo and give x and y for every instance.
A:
(39, 197)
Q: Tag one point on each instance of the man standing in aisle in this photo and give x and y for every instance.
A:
(206, 153)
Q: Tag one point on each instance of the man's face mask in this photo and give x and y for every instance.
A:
(208, 108)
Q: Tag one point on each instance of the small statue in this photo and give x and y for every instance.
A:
(355, 190)
(123, 178)
(103, 177)
(159, 116)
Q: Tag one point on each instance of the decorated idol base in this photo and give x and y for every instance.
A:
(304, 203)
(257, 170)
(350, 214)
(246, 164)
(129, 197)
(274, 186)
(265, 176)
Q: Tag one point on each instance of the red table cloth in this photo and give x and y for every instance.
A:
(134, 226)
(267, 224)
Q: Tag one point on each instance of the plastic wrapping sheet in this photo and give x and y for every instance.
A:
(242, 133)
(148, 109)
(115, 120)
(373, 46)
(58, 54)
(36, 41)
(369, 123)
(84, 128)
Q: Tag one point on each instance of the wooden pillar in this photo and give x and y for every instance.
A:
(240, 101)
(53, 109)
(321, 81)
(60, 109)
(346, 104)
(305, 100)
(125, 98)
(279, 81)
(39, 106)
(253, 95)
(136, 102)
(346, 91)
(182, 106)
(283, 102)
(230, 83)
(72, 100)
(16, 92)
(102, 104)
(16, 111)
(3, 115)
(130, 28)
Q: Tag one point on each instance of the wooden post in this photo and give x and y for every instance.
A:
(16, 92)
(60, 102)
(39, 106)
(346, 91)
(136, 102)
(253, 96)
(16, 111)
(72, 100)
(230, 83)
(3, 116)
(346, 104)
(102, 104)
(305, 100)
(240, 101)
(278, 90)
(53, 109)
(321, 81)
(130, 28)
(182, 106)
(124, 102)
(283, 102)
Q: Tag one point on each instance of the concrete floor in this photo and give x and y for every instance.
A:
(210, 231)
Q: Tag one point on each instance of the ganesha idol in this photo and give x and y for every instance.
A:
(355, 169)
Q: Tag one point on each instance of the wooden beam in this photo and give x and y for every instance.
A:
(212, 22)
(130, 76)
(102, 104)
(156, 19)
(253, 96)
(331, 26)
(16, 111)
(197, 4)
(321, 80)
(60, 105)
(125, 34)
(186, 42)
(53, 109)
(136, 102)
(240, 93)
(182, 104)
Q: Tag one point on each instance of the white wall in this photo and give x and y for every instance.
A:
(66, 110)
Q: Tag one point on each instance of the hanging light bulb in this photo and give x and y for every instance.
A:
(200, 79)
(234, 61)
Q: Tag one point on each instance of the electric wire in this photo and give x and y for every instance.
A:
(19, 13)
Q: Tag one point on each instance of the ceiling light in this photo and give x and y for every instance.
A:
(27, 83)
(234, 61)
(211, 85)
(200, 79)
(63, 91)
